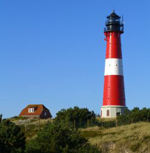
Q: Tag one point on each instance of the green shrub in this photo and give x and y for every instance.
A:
(12, 139)
(123, 120)
(59, 138)
(134, 116)
(0, 118)
(78, 117)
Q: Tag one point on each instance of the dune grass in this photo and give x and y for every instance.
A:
(30, 126)
(132, 138)
(121, 139)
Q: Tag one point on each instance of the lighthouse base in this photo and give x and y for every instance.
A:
(112, 111)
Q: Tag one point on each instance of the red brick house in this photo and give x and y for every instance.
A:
(37, 111)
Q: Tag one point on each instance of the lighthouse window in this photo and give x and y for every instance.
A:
(107, 112)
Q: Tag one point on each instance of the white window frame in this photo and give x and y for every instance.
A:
(30, 110)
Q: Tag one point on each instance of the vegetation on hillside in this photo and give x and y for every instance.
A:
(133, 116)
(59, 138)
(132, 138)
(78, 117)
(12, 139)
(70, 132)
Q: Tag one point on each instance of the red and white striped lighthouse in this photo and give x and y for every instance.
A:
(114, 92)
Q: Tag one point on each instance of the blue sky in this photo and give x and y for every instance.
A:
(53, 52)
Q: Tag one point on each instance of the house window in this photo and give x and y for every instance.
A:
(45, 113)
(30, 110)
(107, 112)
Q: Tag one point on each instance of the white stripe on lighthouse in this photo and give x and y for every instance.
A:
(113, 66)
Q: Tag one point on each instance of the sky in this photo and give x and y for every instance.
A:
(52, 52)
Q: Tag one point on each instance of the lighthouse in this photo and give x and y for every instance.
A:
(114, 91)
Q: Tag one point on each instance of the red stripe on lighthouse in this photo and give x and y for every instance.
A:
(113, 49)
(114, 90)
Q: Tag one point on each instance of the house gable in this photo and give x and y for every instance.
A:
(38, 110)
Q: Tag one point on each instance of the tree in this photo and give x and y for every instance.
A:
(12, 139)
(133, 116)
(59, 138)
(76, 115)
(0, 118)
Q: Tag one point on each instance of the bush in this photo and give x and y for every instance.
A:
(0, 118)
(79, 117)
(59, 138)
(12, 139)
(133, 116)
(123, 120)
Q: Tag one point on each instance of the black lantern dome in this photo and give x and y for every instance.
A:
(114, 23)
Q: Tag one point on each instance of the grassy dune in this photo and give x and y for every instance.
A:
(123, 139)
(30, 125)
(132, 138)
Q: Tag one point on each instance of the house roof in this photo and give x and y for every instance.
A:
(38, 109)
